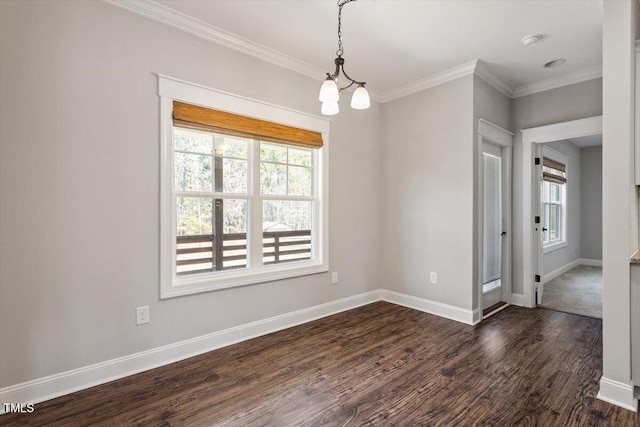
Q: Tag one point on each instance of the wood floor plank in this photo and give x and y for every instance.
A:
(379, 364)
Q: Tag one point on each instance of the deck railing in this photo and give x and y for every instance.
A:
(197, 254)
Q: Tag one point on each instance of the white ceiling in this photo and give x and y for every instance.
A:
(393, 43)
(587, 141)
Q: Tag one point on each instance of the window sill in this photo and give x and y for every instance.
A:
(216, 281)
(554, 247)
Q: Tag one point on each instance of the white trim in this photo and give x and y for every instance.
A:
(170, 89)
(488, 133)
(591, 262)
(502, 307)
(548, 133)
(517, 299)
(430, 81)
(63, 383)
(470, 317)
(560, 81)
(495, 133)
(554, 246)
(196, 27)
(617, 393)
(559, 271)
(483, 72)
(175, 88)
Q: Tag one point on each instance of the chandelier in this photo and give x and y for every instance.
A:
(329, 92)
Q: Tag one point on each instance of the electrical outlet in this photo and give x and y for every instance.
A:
(142, 315)
(434, 278)
(334, 278)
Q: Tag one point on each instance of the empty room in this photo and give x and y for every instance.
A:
(304, 213)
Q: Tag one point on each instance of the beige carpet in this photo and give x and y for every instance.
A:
(577, 291)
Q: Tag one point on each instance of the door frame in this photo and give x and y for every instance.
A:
(492, 134)
(530, 137)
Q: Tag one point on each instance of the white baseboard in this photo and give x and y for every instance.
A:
(56, 385)
(591, 262)
(63, 383)
(617, 393)
(470, 317)
(560, 271)
(517, 299)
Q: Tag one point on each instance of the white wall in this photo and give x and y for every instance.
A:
(428, 185)
(620, 21)
(591, 202)
(572, 102)
(79, 182)
(570, 253)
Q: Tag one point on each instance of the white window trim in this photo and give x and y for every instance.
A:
(564, 159)
(171, 89)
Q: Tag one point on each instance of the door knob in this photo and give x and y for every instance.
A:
(504, 233)
(544, 229)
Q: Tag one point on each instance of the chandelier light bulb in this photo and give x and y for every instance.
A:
(330, 108)
(329, 91)
(360, 99)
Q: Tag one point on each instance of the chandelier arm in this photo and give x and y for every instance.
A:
(352, 80)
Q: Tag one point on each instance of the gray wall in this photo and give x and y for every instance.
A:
(494, 107)
(572, 102)
(563, 256)
(79, 177)
(428, 185)
(591, 203)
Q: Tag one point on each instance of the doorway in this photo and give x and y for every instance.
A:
(569, 183)
(532, 229)
(494, 218)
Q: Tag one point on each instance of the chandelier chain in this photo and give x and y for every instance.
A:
(341, 3)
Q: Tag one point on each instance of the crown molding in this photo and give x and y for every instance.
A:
(483, 72)
(431, 81)
(556, 82)
(165, 15)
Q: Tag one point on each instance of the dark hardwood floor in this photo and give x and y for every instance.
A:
(380, 364)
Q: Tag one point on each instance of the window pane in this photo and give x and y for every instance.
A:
(286, 231)
(192, 172)
(554, 221)
(545, 191)
(273, 153)
(229, 146)
(299, 156)
(273, 179)
(554, 195)
(300, 181)
(194, 216)
(192, 140)
(234, 228)
(233, 177)
(199, 248)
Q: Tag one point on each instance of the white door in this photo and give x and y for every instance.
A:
(493, 229)
(539, 225)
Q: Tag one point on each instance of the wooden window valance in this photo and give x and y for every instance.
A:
(196, 117)
(553, 171)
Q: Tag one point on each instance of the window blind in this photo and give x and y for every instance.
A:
(492, 217)
(553, 171)
(196, 117)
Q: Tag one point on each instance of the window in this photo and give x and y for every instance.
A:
(243, 199)
(553, 198)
